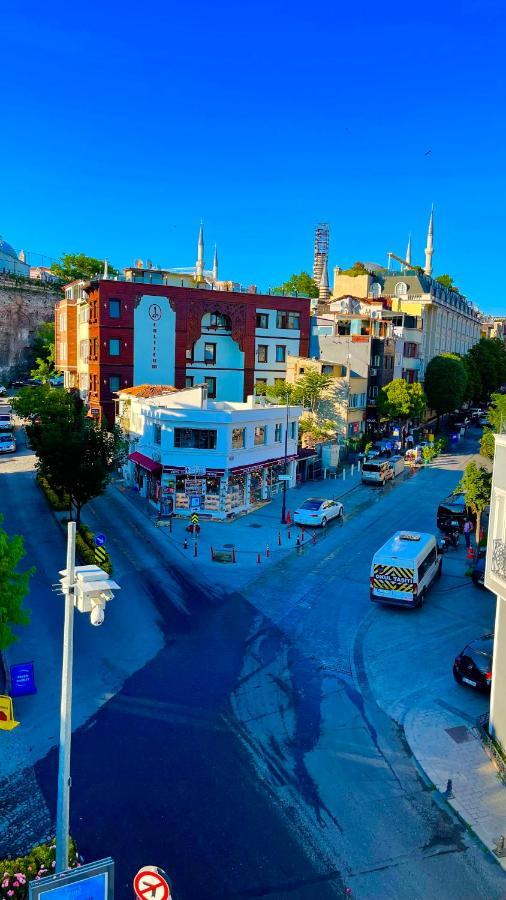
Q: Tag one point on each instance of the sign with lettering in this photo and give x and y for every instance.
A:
(93, 881)
(154, 341)
(22, 679)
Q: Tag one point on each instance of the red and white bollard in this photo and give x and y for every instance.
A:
(314, 537)
(279, 539)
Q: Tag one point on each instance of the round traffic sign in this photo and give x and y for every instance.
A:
(151, 883)
(100, 540)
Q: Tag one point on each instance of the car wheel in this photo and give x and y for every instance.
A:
(440, 569)
(324, 521)
(457, 676)
(341, 513)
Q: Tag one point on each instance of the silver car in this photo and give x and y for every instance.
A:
(7, 443)
(318, 511)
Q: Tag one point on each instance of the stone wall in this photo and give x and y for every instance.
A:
(23, 307)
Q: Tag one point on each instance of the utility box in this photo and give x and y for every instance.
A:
(330, 455)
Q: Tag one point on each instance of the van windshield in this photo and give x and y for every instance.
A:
(371, 467)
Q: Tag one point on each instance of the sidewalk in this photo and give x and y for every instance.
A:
(256, 539)
(448, 747)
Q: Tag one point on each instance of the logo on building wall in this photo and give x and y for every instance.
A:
(155, 312)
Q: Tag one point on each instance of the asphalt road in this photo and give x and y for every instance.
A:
(250, 757)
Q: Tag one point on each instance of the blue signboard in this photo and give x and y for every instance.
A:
(94, 881)
(100, 540)
(22, 680)
(195, 502)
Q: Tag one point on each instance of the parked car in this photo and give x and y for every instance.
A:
(5, 418)
(318, 511)
(377, 471)
(473, 665)
(3, 390)
(56, 381)
(453, 510)
(478, 573)
(7, 443)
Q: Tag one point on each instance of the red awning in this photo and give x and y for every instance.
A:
(145, 462)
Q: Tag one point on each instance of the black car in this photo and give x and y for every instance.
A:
(451, 510)
(478, 573)
(473, 665)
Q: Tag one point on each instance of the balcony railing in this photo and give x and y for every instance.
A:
(498, 566)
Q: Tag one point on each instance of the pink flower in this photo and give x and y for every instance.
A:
(16, 883)
(10, 893)
(5, 883)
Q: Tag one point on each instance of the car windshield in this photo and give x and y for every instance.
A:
(481, 658)
(452, 508)
(6, 438)
(312, 504)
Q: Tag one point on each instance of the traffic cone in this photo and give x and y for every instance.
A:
(470, 554)
(288, 518)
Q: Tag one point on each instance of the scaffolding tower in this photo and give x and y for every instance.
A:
(321, 251)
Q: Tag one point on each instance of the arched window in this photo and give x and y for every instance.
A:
(401, 288)
(376, 289)
(218, 320)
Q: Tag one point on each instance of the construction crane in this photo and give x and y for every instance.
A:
(404, 262)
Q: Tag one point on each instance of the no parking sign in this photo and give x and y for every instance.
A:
(151, 883)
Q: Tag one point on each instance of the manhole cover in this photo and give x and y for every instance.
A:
(229, 546)
(460, 734)
(254, 525)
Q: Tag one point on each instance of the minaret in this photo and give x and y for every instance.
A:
(429, 250)
(408, 252)
(323, 287)
(215, 264)
(199, 268)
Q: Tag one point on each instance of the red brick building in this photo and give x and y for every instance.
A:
(139, 333)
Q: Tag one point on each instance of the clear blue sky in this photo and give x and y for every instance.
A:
(123, 125)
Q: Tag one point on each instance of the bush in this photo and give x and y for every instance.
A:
(429, 453)
(60, 504)
(39, 862)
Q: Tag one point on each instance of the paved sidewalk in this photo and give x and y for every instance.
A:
(258, 538)
(448, 747)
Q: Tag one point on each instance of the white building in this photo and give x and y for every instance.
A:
(12, 262)
(218, 458)
(495, 580)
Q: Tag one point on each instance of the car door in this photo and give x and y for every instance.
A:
(333, 509)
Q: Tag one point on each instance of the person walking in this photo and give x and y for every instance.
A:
(468, 527)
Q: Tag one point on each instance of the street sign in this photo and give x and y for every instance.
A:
(194, 502)
(151, 883)
(100, 539)
(284, 478)
(100, 556)
(22, 679)
(194, 519)
(195, 470)
(93, 881)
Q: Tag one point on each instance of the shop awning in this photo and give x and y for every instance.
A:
(145, 462)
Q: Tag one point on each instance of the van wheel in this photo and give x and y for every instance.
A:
(324, 521)
(439, 569)
(421, 600)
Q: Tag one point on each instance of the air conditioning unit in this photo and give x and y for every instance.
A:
(373, 371)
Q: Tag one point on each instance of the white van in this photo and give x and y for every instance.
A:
(397, 464)
(404, 568)
(377, 471)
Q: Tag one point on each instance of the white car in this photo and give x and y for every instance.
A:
(3, 390)
(318, 511)
(7, 443)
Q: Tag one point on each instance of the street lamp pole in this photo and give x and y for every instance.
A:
(283, 509)
(62, 812)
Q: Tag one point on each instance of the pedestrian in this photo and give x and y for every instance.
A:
(468, 527)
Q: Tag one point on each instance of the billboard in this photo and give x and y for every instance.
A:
(154, 341)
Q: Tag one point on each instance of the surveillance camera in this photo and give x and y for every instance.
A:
(97, 615)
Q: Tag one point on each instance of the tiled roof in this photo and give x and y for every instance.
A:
(148, 390)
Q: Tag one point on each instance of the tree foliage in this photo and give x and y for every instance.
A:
(497, 423)
(74, 266)
(302, 283)
(487, 444)
(476, 485)
(400, 400)
(357, 268)
(445, 280)
(13, 587)
(445, 383)
(74, 452)
(308, 390)
(474, 387)
(489, 357)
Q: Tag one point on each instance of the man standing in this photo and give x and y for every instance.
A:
(468, 527)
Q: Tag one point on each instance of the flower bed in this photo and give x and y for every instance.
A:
(39, 862)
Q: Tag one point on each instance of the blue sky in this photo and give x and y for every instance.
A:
(123, 126)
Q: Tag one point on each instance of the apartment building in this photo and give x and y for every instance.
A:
(113, 334)
(495, 581)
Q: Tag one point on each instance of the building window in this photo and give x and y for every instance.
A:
(280, 353)
(84, 313)
(401, 288)
(114, 309)
(376, 289)
(278, 433)
(357, 401)
(262, 320)
(262, 353)
(220, 321)
(189, 354)
(288, 320)
(410, 349)
(188, 381)
(327, 370)
(63, 351)
(114, 347)
(373, 392)
(376, 360)
(293, 430)
(279, 381)
(157, 434)
(84, 350)
(114, 383)
(238, 438)
(195, 438)
(260, 434)
(209, 353)
(211, 387)
(63, 322)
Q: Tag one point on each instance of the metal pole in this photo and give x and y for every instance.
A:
(283, 509)
(62, 811)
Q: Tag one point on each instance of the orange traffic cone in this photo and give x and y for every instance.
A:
(470, 553)
(288, 518)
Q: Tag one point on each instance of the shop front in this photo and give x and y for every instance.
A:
(146, 476)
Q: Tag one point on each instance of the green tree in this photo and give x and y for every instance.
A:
(474, 388)
(489, 356)
(497, 422)
(400, 400)
(308, 390)
(74, 266)
(357, 268)
(445, 280)
(476, 485)
(487, 444)
(299, 284)
(74, 452)
(13, 590)
(445, 383)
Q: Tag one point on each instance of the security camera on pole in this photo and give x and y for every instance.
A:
(88, 588)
